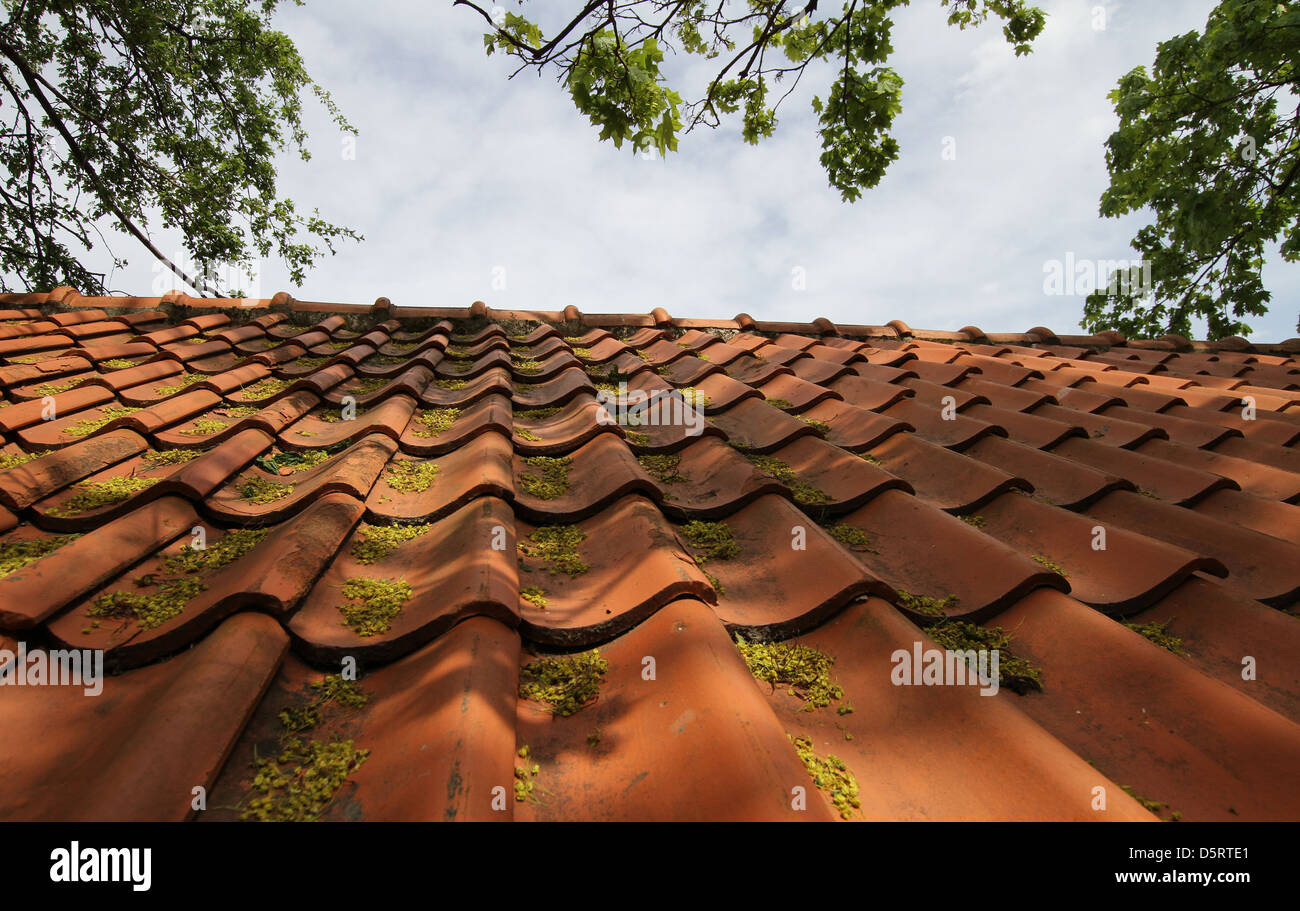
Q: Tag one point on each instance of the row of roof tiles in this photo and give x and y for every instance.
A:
(971, 479)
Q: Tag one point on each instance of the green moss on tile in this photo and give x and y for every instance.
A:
(526, 365)
(434, 421)
(373, 604)
(780, 403)
(374, 543)
(205, 427)
(527, 435)
(805, 494)
(714, 540)
(451, 385)
(100, 494)
(924, 604)
(1015, 673)
(583, 353)
(159, 458)
(238, 411)
(183, 383)
(830, 775)
(147, 610)
(805, 670)
(663, 468)
(15, 459)
(716, 584)
(536, 414)
(1051, 565)
(556, 547)
(410, 475)
(1151, 806)
(694, 397)
(525, 778)
(534, 596)
(14, 555)
(546, 477)
(852, 537)
(973, 521)
(261, 490)
(296, 460)
(262, 389)
(566, 683)
(820, 426)
(118, 363)
(225, 550)
(302, 781)
(868, 457)
(107, 415)
(637, 438)
(1158, 633)
(56, 388)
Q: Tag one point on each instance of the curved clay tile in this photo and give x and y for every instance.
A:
(137, 751)
(23, 485)
(755, 426)
(919, 549)
(271, 577)
(1160, 477)
(818, 371)
(1103, 425)
(635, 565)
(145, 375)
(753, 371)
(572, 426)
(1149, 719)
(990, 762)
(870, 393)
(772, 589)
(492, 412)
(1054, 478)
(604, 350)
(275, 498)
(853, 428)
(711, 480)
(639, 339)
(552, 392)
(454, 570)
(1264, 567)
(690, 370)
(777, 354)
(33, 413)
(593, 476)
(459, 393)
(1264, 428)
(933, 394)
(1036, 430)
(1131, 573)
(956, 432)
(1270, 454)
(481, 467)
(801, 394)
(1197, 434)
(482, 335)
(940, 374)
(1249, 511)
(1012, 398)
(697, 340)
(840, 481)
(950, 481)
(696, 743)
(390, 417)
(453, 368)
(721, 392)
(543, 349)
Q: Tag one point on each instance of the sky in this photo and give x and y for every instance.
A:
(470, 186)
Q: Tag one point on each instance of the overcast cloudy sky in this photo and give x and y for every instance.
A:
(461, 176)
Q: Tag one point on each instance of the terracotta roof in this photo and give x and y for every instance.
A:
(558, 616)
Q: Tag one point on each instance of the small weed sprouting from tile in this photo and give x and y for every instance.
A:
(803, 668)
(296, 461)
(713, 539)
(1015, 673)
(300, 783)
(1158, 634)
(14, 555)
(100, 494)
(107, 415)
(14, 459)
(556, 546)
(434, 421)
(534, 596)
(1051, 565)
(205, 427)
(259, 490)
(852, 537)
(410, 476)
(548, 478)
(377, 542)
(924, 604)
(662, 467)
(830, 775)
(566, 683)
(973, 521)
(373, 604)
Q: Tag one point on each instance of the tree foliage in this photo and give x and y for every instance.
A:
(610, 56)
(165, 112)
(1202, 144)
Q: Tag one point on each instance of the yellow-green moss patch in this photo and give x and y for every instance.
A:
(205, 427)
(852, 537)
(14, 555)
(1014, 673)
(301, 782)
(56, 388)
(107, 415)
(924, 604)
(534, 596)
(804, 669)
(536, 414)
(452, 385)
(410, 476)
(973, 521)
(260, 490)
(99, 494)
(373, 604)
(118, 363)
(527, 435)
(1049, 564)
(556, 546)
(780, 403)
(262, 389)
(663, 467)
(546, 477)
(565, 683)
(184, 382)
(14, 459)
(713, 539)
(830, 775)
(1159, 634)
(804, 493)
(376, 542)
(161, 457)
(433, 421)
